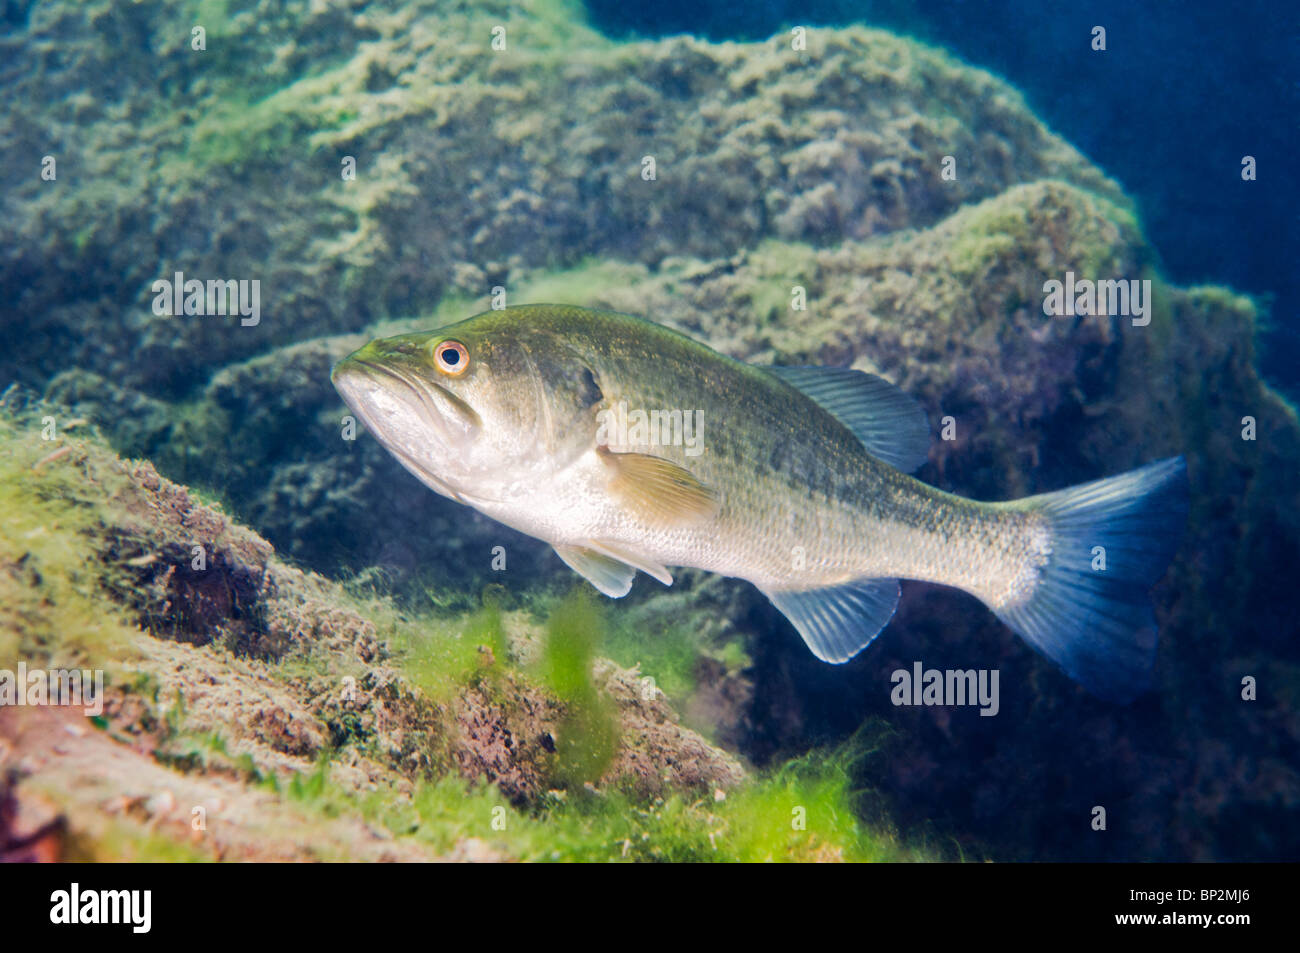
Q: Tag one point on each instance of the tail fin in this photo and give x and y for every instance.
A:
(1097, 623)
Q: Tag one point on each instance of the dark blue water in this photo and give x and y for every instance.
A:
(1184, 90)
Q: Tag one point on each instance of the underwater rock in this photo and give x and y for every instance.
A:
(110, 792)
(32, 829)
(658, 755)
(246, 669)
(458, 150)
(508, 739)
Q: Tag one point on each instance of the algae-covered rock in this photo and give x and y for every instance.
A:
(469, 161)
(284, 674)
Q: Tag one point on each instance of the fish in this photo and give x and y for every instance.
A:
(629, 446)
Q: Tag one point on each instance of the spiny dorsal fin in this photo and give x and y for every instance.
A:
(610, 576)
(838, 622)
(657, 490)
(891, 425)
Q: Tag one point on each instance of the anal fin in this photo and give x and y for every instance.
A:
(840, 621)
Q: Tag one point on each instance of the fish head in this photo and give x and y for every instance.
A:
(474, 409)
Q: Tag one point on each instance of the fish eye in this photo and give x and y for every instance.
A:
(452, 358)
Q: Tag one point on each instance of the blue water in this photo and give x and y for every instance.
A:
(1184, 90)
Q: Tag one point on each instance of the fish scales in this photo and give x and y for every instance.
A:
(792, 479)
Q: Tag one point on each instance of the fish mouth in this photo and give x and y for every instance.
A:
(440, 409)
(417, 420)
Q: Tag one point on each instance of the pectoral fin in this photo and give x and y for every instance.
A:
(657, 490)
(838, 622)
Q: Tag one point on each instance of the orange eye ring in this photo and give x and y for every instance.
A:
(452, 358)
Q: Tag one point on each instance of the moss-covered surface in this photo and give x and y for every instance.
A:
(472, 164)
(253, 711)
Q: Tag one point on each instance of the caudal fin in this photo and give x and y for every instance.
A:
(1111, 540)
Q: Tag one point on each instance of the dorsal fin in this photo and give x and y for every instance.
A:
(891, 425)
(838, 622)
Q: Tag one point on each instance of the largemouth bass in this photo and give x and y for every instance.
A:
(628, 446)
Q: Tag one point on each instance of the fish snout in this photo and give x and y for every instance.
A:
(401, 405)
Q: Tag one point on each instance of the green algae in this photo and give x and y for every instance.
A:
(670, 655)
(588, 734)
(52, 587)
(1006, 226)
(436, 655)
(583, 284)
(803, 812)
